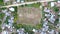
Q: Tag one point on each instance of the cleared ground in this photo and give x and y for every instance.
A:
(29, 15)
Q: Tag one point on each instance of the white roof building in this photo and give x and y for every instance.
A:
(34, 30)
(18, 0)
(47, 15)
(58, 1)
(52, 19)
(52, 4)
(12, 9)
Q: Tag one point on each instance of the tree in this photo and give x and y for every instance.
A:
(56, 9)
(0, 29)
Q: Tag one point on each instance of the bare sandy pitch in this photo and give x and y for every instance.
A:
(29, 15)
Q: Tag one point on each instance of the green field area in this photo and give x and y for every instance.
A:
(36, 5)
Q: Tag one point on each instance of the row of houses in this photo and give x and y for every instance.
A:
(50, 17)
(9, 2)
(7, 28)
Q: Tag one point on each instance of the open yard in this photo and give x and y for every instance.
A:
(29, 15)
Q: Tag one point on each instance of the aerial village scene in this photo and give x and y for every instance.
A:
(29, 16)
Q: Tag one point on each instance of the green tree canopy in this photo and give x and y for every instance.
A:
(56, 9)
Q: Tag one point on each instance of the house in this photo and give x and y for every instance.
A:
(10, 21)
(51, 32)
(7, 14)
(59, 13)
(52, 19)
(34, 30)
(6, 1)
(14, 2)
(46, 10)
(45, 19)
(59, 19)
(4, 32)
(43, 32)
(58, 25)
(8, 26)
(11, 9)
(47, 15)
(18, 1)
(22, 1)
(20, 31)
(3, 26)
(45, 23)
(58, 1)
(45, 28)
(4, 11)
(44, 3)
(12, 18)
(52, 4)
(56, 32)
